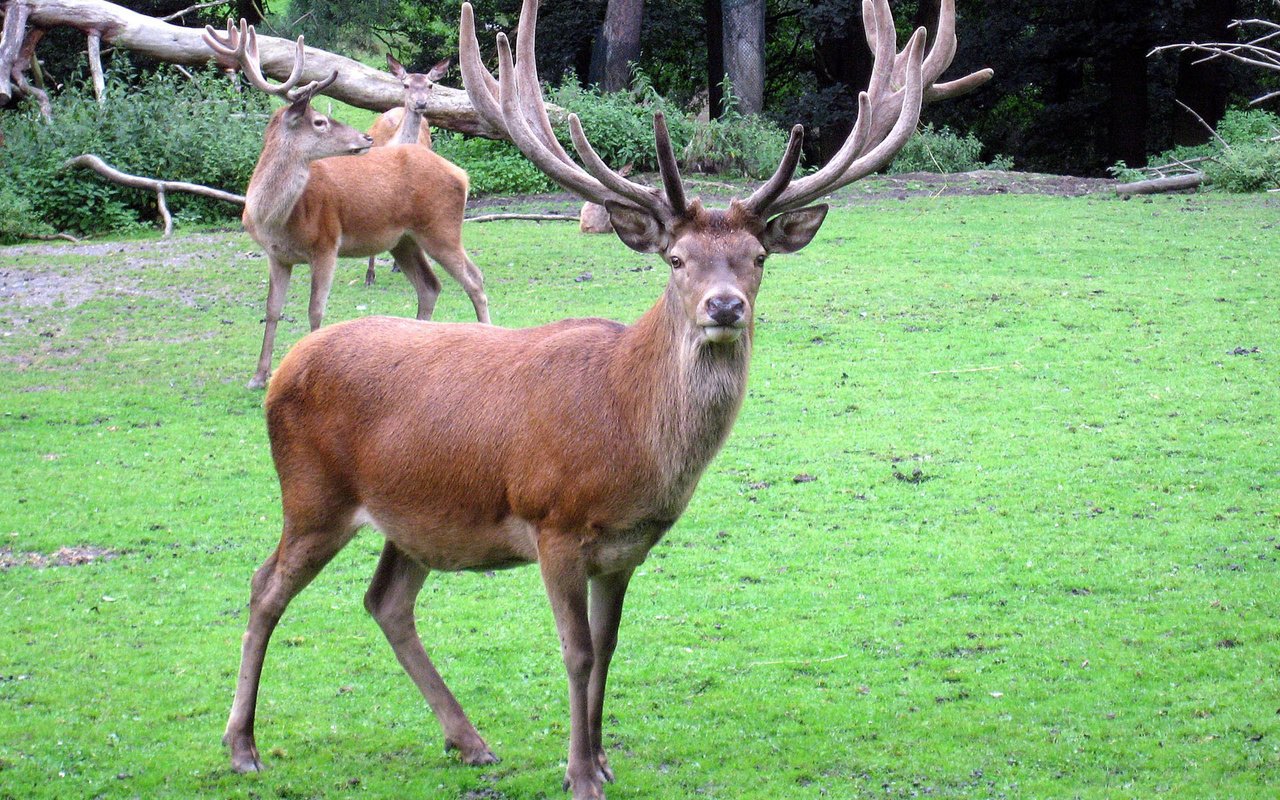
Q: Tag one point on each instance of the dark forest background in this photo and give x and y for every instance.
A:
(1075, 90)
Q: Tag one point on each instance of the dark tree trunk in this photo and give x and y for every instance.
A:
(843, 61)
(618, 45)
(744, 52)
(715, 57)
(1203, 86)
(1127, 103)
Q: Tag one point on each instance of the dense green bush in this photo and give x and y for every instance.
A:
(943, 150)
(494, 167)
(1243, 157)
(201, 130)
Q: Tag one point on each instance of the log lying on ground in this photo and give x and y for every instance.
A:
(1171, 183)
(119, 27)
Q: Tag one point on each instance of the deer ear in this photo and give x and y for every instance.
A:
(296, 113)
(439, 70)
(396, 67)
(637, 229)
(789, 232)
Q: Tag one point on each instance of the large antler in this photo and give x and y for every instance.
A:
(514, 104)
(888, 111)
(241, 47)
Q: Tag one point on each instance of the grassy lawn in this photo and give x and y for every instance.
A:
(1038, 556)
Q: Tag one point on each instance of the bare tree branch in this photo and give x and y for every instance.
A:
(357, 84)
(160, 187)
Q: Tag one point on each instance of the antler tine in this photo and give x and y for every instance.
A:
(667, 165)
(768, 192)
(638, 195)
(571, 177)
(534, 109)
(242, 45)
(481, 87)
(514, 104)
(900, 84)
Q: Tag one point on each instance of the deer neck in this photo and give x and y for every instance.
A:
(277, 183)
(410, 126)
(685, 391)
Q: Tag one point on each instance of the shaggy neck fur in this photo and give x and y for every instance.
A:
(278, 181)
(687, 392)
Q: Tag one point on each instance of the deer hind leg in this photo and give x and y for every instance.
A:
(390, 600)
(417, 269)
(449, 254)
(607, 593)
(308, 544)
(369, 272)
(277, 290)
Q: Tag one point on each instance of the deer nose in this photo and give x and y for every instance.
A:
(726, 309)
(367, 138)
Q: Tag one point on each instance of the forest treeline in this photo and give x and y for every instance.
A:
(1075, 89)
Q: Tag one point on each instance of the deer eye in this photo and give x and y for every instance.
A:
(676, 263)
(760, 260)
(320, 123)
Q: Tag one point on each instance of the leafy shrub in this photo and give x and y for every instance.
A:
(494, 167)
(202, 130)
(739, 144)
(1249, 162)
(620, 124)
(943, 151)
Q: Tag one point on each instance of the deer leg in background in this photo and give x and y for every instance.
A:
(565, 577)
(607, 593)
(322, 268)
(417, 269)
(277, 288)
(448, 253)
(369, 272)
(390, 600)
(313, 541)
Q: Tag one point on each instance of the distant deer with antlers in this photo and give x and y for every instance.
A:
(575, 445)
(407, 123)
(306, 204)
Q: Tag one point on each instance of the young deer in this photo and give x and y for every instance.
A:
(406, 123)
(575, 445)
(304, 204)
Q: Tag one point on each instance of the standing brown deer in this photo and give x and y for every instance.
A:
(306, 204)
(575, 445)
(405, 124)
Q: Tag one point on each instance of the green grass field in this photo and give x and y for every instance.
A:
(1038, 556)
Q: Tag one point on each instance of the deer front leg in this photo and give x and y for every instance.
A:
(565, 576)
(370, 272)
(607, 593)
(322, 268)
(277, 289)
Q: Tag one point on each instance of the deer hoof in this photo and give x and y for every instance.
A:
(257, 382)
(244, 755)
(473, 752)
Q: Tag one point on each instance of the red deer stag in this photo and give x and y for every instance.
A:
(306, 204)
(405, 124)
(575, 445)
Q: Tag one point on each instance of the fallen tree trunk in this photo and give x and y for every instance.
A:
(1172, 183)
(119, 27)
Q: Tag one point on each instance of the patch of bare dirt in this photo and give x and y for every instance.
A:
(62, 557)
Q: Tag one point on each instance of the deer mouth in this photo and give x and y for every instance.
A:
(723, 334)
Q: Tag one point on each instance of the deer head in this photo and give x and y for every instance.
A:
(418, 86)
(306, 131)
(716, 256)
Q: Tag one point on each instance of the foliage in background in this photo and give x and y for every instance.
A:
(943, 150)
(202, 130)
(494, 167)
(1244, 157)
